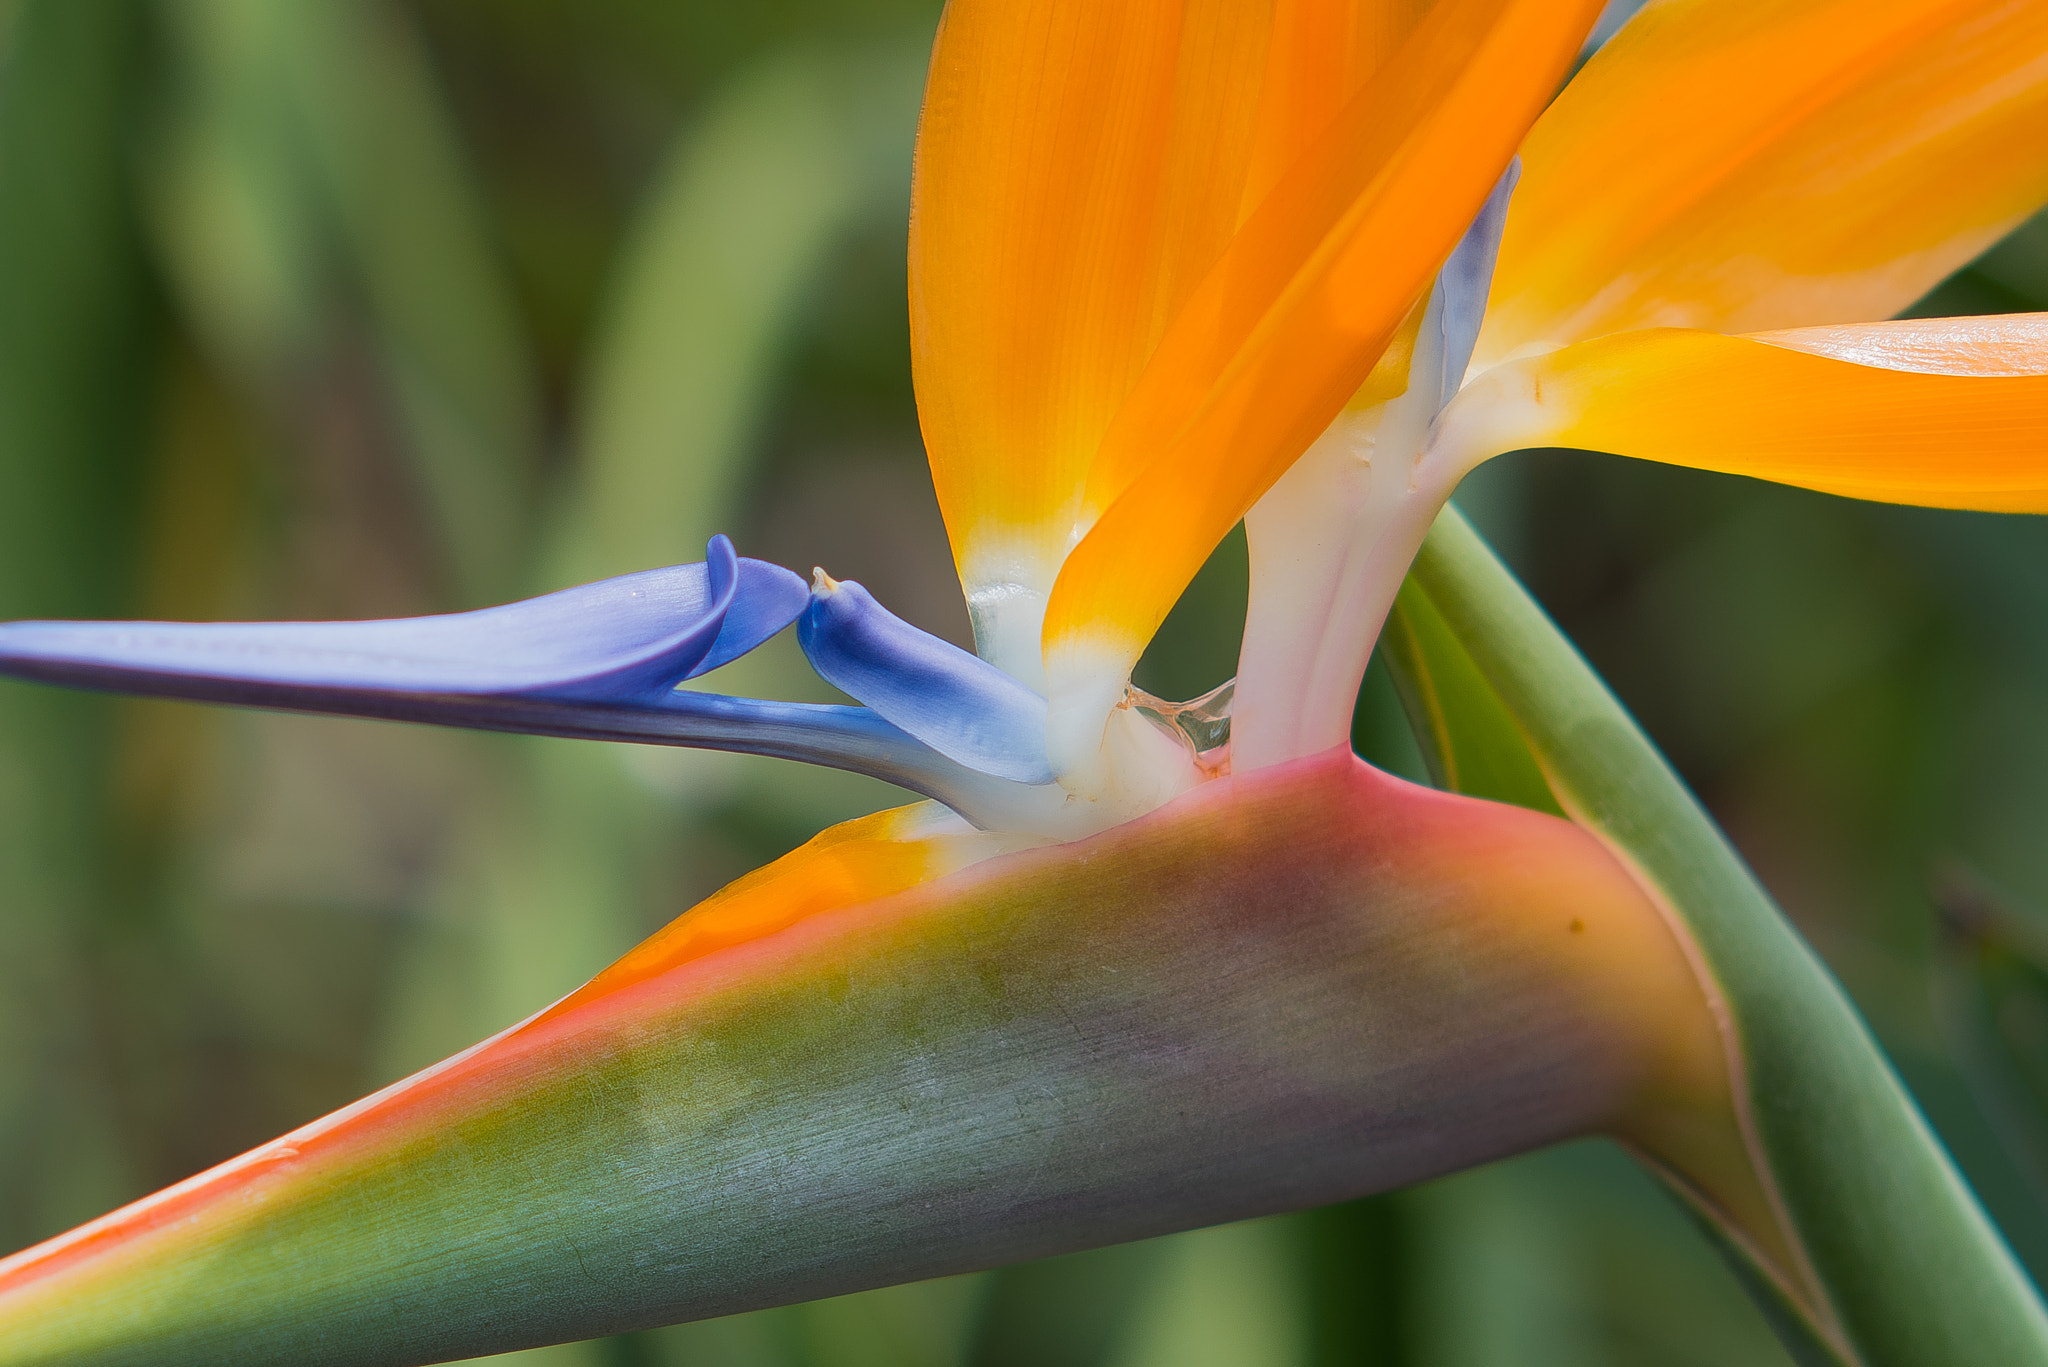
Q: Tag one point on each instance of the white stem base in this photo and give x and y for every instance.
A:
(1330, 544)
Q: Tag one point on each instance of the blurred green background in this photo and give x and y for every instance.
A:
(364, 308)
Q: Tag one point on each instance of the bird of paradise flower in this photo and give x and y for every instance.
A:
(1142, 964)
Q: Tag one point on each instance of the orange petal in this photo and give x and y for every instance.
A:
(2003, 344)
(1083, 174)
(1079, 167)
(857, 861)
(1749, 164)
(1291, 320)
(1320, 54)
(1950, 412)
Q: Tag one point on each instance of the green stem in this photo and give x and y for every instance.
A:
(1912, 1272)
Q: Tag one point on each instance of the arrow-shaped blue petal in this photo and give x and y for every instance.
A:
(599, 662)
(629, 639)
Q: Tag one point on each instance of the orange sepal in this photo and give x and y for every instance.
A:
(1949, 413)
(1293, 318)
(1079, 167)
(1748, 164)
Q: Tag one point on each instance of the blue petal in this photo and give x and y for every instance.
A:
(598, 662)
(1466, 279)
(959, 705)
(767, 599)
(630, 638)
(857, 739)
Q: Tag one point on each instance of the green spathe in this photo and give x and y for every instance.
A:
(1281, 991)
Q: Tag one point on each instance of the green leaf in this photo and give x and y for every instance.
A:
(798, 150)
(78, 330)
(309, 162)
(1912, 1273)
(1990, 1003)
(453, 353)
